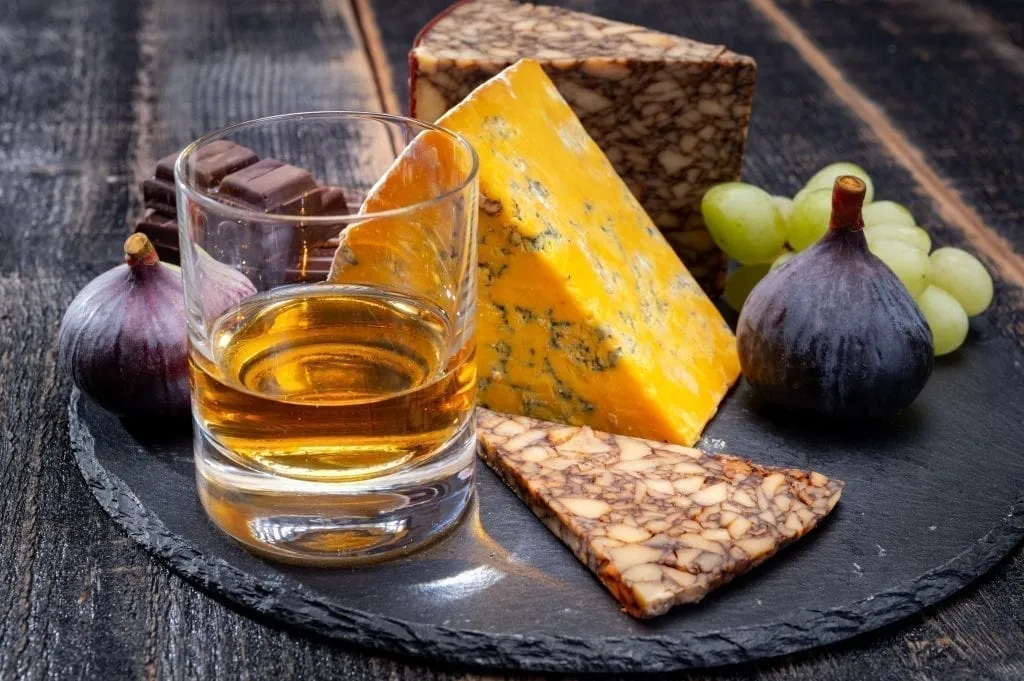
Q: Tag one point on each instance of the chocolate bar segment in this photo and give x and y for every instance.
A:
(163, 232)
(658, 524)
(217, 160)
(210, 164)
(239, 175)
(320, 201)
(312, 265)
(159, 195)
(267, 185)
(333, 201)
(165, 168)
(158, 191)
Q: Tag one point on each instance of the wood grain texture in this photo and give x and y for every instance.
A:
(1007, 18)
(961, 116)
(945, 199)
(94, 90)
(378, 57)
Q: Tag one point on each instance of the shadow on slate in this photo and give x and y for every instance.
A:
(933, 500)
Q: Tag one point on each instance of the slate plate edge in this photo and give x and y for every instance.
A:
(294, 604)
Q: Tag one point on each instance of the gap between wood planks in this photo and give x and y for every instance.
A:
(983, 27)
(948, 200)
(365, 25)
(376, 54)
(150, 41)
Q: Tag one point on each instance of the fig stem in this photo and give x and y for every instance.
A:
(139, 250)
(847, 198)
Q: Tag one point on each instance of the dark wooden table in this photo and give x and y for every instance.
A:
(927, 94)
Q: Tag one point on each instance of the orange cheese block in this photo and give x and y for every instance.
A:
(585, 313)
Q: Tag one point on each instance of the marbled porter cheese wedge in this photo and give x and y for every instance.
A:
(585, 315)
(670, 113)
(658, 524)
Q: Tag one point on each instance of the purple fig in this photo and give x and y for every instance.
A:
(833, 332)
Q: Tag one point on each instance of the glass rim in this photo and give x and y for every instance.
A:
(197, 195)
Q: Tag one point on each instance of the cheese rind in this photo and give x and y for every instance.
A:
(585, 314)
(670, 113)
(658, 524)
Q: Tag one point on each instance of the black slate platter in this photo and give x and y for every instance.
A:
(933, 500)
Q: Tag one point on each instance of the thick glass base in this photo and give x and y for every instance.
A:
(335, 523)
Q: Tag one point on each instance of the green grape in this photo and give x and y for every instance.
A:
(785, 206)
(826, 177)
(946, 318)
(782, 260)
(907, 262)
(887, 213)
(962, 276)
(809, 220)
(744, 222)
(911, 234)
(741, 282)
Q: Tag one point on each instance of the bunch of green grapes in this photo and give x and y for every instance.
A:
(762, 232)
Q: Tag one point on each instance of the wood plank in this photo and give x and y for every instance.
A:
(1004, 17)
(66, 126)
(945, 82)
(82, 601)
(378, 56)
(397, 23)
(212, 64)
(65, 129)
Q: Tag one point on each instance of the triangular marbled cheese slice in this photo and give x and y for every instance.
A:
(658, 524)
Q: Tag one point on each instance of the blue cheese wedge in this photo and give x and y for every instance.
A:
(585, 315)
(659, 524)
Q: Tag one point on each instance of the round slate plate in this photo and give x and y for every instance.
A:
(933, 500)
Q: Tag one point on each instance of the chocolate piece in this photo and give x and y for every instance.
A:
(210, 164)
(334, 201)
(238, 173)
(218, 159)
(165, 167)
(159, 195)
(158, 227)
(267, 185)
(320, 201)
(312, 265)
(659, 524)
(163, 232)
(307, 204)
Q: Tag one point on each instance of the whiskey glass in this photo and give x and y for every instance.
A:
(330, 315)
